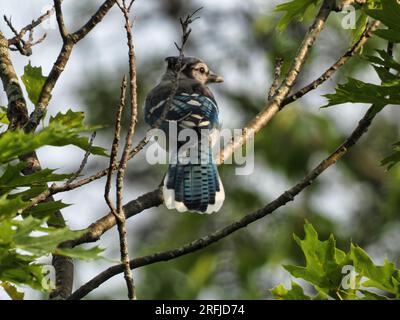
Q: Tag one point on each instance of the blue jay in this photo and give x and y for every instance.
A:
(191, 185)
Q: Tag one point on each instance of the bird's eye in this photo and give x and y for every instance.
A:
(202, 70)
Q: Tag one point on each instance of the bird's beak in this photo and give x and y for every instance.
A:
(214, 78)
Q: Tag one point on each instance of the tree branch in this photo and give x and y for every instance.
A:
(17, 40)
(98, 228)
(115, 145)
(69, 41)
(24, 47)
(17, 112)
(60, 20)
(119, 213)
(84, 160)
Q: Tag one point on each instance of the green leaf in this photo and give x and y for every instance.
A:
(394, 158)
(42, 244)
(368, 295)
(385, 60)
(45, 210)
(33, 80)
(388, 12)
(324, 267)
(294, 9)
(361, 24)
(28, 194)
(356, 91)
(12, 177)
(12, 291)
(10, 207)
(63, 129)
(20, 269)
(380, 277)
(388, 34)
(324, 261)
(22, 242)
(3, 115)
(295, 293)
(81, 253)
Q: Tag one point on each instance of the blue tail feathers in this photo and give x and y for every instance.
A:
(194, 186)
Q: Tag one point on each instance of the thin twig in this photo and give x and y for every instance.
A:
(24, 47)
(119, 212)
(115, 144)
(60, 20)
(178, 68)
(10, 25)
(84, 160)
(334, 67)
(130, 5)
(207, 240)
(30, 27)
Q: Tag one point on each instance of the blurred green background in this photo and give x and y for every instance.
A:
(355, 200)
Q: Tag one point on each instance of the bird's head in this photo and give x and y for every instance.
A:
(194, 68)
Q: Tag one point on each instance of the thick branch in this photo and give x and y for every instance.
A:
(17, 112)
(277, 74)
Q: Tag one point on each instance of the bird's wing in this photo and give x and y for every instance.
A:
(193, 111)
